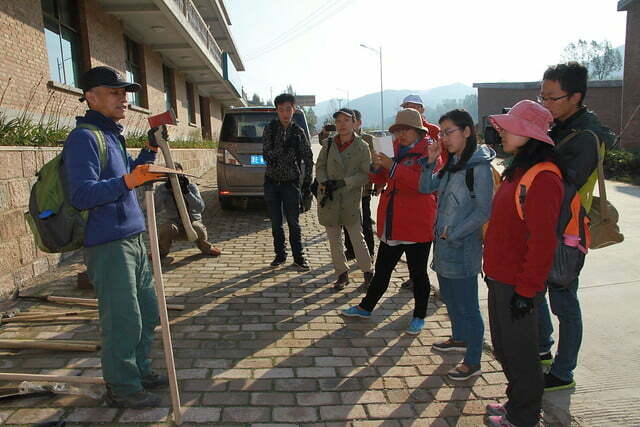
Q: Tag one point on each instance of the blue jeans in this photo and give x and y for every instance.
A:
(284, 197)
(565, 305)
(461, 299)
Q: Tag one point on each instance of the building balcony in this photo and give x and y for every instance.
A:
(177, 30)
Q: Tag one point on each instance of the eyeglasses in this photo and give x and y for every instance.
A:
(542, 99)
(447, 132)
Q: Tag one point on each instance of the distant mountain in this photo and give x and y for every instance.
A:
(369, 105)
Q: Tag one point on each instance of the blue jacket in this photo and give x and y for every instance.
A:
(114, 212)
(460, 254)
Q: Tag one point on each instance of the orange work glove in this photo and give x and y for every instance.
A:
(141, 175)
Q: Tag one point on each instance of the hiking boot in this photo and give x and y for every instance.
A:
(140, 399)
(349, 255)
(553, 383)
(464, 372)
(496, 409)
(415, 326)
(343, 280)
(356, 311)
(154, 380)
(301, 264)
(450, 345)
(408, 284)
(546, 359)
(278, 260)
(214, 251)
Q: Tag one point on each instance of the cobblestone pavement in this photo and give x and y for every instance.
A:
(259, 345)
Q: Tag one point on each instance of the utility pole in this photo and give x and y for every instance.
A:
(379, 52)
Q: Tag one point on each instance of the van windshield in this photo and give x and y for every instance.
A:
(249, 126)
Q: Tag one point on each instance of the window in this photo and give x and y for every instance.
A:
(134, 72)
(62, 40)
(169, 90)
(191, 108)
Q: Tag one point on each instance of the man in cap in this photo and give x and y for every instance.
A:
(367, 224)
(415, 102)
(564, 87)
(101, 179)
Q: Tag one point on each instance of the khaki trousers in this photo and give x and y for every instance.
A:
(359, 247)
(170, 232)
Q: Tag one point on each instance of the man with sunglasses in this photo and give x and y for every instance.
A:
(563, 90)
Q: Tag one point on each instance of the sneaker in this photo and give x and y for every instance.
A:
(214, 252)
(343, 280)
(301, 264)
(278, 260)
(407, 284)
(458, 374)
(499, 421)
(450, 345)
(415, 326)
(496, 409)
(349, 255)
(154, 380)
(546, 359)
(355, 311)
(553, 383)
(140, 399)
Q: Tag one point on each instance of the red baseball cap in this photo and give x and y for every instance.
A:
(526, 118)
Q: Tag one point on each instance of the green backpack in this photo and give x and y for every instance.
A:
(56, 225)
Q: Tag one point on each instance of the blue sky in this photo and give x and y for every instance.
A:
(425, 43)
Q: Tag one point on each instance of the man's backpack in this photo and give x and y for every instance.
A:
(56, 225)
(572, 230)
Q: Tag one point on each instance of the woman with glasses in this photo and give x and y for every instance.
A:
(405, 217)
(465, 188)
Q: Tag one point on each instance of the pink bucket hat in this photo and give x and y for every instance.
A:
(526, 118)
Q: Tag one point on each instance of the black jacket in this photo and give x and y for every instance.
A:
(288, 154)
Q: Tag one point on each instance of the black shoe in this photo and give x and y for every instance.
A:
(407, 284)
(301, 263)
(154, 380)
(343, 280)
(278, 260)
(349, 255)
(141, 399)
(553, 383)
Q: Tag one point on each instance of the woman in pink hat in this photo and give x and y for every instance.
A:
(518, 255)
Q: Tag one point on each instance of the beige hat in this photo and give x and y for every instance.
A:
(409, 117)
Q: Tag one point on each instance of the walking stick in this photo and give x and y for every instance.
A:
(162, 304)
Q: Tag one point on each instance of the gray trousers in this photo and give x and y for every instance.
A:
(170, 232)
(515, 346)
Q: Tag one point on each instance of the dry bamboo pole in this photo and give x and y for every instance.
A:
(48, 345)
(50, 378)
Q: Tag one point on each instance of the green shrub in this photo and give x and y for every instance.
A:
(621, 164)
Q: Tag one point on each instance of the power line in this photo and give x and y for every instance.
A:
(316, 18)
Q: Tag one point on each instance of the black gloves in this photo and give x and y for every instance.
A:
(156, 134)
(520, 306)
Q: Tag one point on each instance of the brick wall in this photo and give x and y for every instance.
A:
(605, 101)
(24, 62)
(631, 91)
(20, 260)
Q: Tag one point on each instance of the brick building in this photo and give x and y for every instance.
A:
(631, 91)
(603, 97)
(180, 51)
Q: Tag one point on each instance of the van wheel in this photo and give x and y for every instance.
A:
(225, 203)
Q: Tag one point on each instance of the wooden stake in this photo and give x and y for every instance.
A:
(88, 302)
(162, 304)
(50, 378)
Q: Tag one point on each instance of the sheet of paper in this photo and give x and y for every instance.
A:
(384, 145)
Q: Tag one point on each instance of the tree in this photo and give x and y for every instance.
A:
(600, 58)
(312, 119)
(256, 100)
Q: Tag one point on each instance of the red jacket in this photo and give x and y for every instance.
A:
(520, 253)
(407, 214)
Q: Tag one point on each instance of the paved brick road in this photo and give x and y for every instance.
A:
(259, 346)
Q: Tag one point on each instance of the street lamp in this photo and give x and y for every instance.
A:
(347, 92)
(379, 52)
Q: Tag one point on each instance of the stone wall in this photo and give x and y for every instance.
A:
(20, 260)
